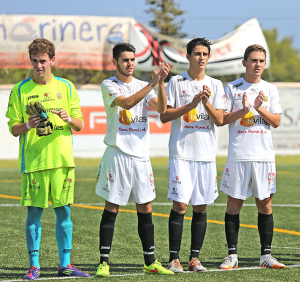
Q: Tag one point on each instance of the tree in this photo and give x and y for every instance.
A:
(285, 62)
(166, 13)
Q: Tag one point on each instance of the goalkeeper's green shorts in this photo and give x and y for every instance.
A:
(55, 184)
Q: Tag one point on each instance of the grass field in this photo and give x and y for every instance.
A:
(126, 257)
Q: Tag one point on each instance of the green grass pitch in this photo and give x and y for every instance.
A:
(126, 257)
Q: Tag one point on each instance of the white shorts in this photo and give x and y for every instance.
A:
(192, 181)
(237, 177)
(122, 178)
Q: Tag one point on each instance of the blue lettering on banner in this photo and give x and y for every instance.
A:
(24, 31)
(82, 29)
(4, 31)
(62, 29)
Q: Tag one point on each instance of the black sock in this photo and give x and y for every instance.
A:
(106, 234)
(146, 233)
(265, 229)
(175, 233)
(198, 230)
(232, 225)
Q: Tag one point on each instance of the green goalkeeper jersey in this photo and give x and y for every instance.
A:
(54, 150)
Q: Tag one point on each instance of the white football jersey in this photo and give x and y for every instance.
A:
(250, 137)
(127, 129)
(193, 134)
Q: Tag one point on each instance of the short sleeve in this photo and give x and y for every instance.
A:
(229, 99)
(150, 96)
(219, 101)
(14, 111)
(75, 104)
(275, 105)
(171, 93)
(110, 91)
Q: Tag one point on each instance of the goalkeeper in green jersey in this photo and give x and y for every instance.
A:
(43, 110)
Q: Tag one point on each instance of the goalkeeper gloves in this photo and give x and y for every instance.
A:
(45, 127)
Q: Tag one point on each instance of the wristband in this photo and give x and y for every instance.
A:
(28, 126)
(69, 120)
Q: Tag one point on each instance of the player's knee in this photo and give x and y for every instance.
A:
(179, 207)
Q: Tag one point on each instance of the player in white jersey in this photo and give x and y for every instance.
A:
(253, 106)
(125, 171)
(195, 106)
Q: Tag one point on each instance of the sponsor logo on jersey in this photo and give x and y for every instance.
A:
(47, 97)
(33, 96)
(225, 184)
(192, 116)
(105, 188)
(238, 96)
(249, 120)
(237, 85)
(59, 96)
(181, 79)
(266, 98)
(255, 90)
(151, 179)
(127, 119)
(176, 180)
(34, 185)
(184, 94)
(110, 178)
(271, 177)
(227, 172)
(58, 127)
(174, 191)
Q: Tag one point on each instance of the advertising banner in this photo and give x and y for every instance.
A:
(86, 42)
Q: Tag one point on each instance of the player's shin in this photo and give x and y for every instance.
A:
(175, 233)
(198, 230)
(33, 232)
(232, 225)
(146, 233)
(106, 233)
(265, 229)
(63, 232)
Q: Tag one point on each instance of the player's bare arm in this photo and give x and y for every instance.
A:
(172, 113)
(159, 103)
(22, 128)
(232, 117)
(272, 119)
(215, 115)
(128, 102)
(74, 123)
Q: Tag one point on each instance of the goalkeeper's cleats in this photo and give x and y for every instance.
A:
(33, 273)
(103, 270)
(156, 268)
(175, 266)
(230, 262)
(195, 265)
(71, 270)
(270, 262)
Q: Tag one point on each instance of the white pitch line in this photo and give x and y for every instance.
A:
(142, 274)
(169, 204)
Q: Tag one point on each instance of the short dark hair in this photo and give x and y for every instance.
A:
(41, 46)
(121, 47)
(254, 48)
(196, 42)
